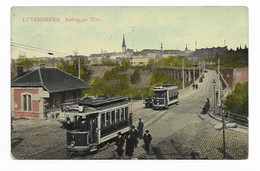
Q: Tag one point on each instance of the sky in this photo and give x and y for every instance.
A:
(102, 28)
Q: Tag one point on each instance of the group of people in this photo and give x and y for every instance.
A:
(131, 140)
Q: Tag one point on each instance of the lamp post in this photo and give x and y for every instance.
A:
(214, 85)
(222, 112)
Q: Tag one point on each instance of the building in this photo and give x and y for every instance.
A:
(209, 52)
(113, 56)
(36, 92)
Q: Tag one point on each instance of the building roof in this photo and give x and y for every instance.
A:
(52, 79)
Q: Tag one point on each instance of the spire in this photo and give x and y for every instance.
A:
(186, 48)
(161, 46)
(123, 45)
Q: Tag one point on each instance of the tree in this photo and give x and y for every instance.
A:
(72, 68)
(135, 77)
(237, 101)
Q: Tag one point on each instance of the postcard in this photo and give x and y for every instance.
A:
(129, 83)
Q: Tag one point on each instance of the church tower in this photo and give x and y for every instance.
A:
(186, 49)
(161, 47)
(123, 45)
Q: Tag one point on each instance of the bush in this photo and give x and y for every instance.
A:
(237, 101)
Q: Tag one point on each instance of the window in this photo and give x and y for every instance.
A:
(117, 116)
(160, 94)
(108, 119)
(27, 102)
(102, 120)
(122, 114)
(113, 117)
(24, 102)
(126, 113)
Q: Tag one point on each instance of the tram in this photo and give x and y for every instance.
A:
(95, 122)
(165, 95)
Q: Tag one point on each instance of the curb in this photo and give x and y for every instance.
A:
(220, 120)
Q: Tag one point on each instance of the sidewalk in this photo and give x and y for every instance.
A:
(216, 119)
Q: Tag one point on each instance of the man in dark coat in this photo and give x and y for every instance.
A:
(140, 128)
(120, 141)
(133, 136)
(129, 149)
(147, 140)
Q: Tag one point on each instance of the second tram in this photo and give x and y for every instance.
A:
(165, 95)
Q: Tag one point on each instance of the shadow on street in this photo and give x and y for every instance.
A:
(16, 141)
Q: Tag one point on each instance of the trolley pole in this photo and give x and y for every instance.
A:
(182, 74)
(76, 55)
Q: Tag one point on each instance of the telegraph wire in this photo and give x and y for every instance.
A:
(32, 48)
(29, 49)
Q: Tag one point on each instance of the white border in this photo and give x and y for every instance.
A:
(250, 164)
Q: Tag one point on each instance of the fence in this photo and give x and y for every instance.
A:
(240, 119)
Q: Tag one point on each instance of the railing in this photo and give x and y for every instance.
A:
(240, 119)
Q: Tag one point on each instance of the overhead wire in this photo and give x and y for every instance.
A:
(33, 48)
(29, 49)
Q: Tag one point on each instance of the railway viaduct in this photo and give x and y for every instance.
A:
(176, 72)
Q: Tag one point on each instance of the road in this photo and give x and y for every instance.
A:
(176, 133)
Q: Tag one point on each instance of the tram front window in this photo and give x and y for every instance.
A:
(159, 94)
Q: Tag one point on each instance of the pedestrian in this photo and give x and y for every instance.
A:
(68, 124)
(140, 128)
(129, 150)
(207, 105)
(147, 140)
(133, 136)
(120, 141)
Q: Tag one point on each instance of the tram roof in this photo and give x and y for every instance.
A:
(103, 101)
(166, 84)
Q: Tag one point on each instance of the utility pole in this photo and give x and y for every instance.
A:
(182, 74)
(219, 92)
(199, 67)
(214, 95)
(204, 64)
(222, 112)
(193, 72)
(76, 53)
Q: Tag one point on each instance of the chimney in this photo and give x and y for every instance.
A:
(19, 70)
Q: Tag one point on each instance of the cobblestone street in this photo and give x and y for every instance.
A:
(176, 132)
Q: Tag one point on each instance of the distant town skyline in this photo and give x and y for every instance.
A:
(95, 29)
